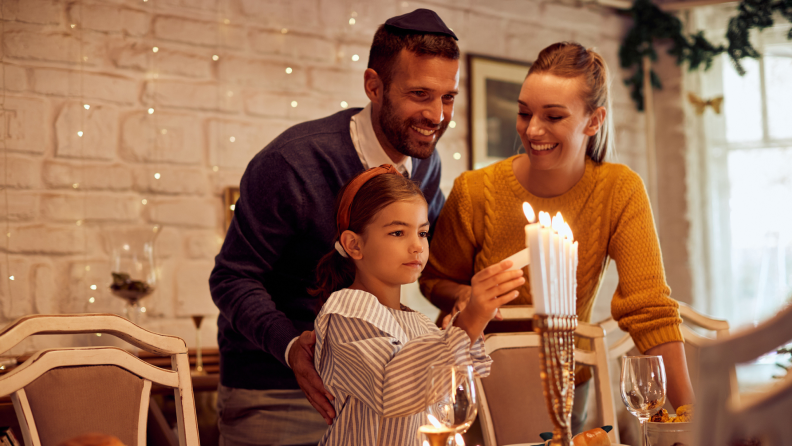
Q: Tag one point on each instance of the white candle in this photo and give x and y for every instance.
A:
(538, 266)
(574, 277)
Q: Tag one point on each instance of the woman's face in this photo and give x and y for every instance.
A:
(552, 121)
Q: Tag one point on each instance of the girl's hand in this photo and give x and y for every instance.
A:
(491, 288)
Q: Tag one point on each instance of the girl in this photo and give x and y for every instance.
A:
(372, 352)
(565, 127)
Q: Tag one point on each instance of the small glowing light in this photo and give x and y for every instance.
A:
(355, 58)
(76, 185)
(164, 131)
(8, 234)
(80, 133)
(93, 287)
(354, 14)
(11, 277)
(426, 443)
(100, 334)
(142, 309)
(215, 57)
(73, 25)
(352, 21)
(232, 207)
(452, 124)
(435, 422)
(2, 367)
(87, 107)
(284, 30)
(226, 21)
(144, 201)
(289, 70)
(232, 139)
(157, 176)
(155, 49)
(344, 104)
(294, 103)
(87, 267)
(91, 300)
(151, 110)
(85, 58)
(457, 156)
(79, 222)
(215, 168)
(459, 440)
(229, 93)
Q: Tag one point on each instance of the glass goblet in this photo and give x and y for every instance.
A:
(451, 399)
(643, 388)
(134, 274)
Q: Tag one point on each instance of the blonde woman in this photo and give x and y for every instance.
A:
(565, 127)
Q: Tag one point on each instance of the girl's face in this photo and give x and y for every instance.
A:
(552, 121)
(395, 246)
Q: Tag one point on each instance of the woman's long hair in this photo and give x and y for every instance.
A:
(335, 272)
(571, 60)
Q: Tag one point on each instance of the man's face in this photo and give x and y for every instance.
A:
(419, 103)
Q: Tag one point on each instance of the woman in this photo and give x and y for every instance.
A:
(563, 124)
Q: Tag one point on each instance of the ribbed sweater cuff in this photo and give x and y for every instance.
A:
(648, 339)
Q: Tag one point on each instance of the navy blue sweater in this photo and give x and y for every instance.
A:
(284, 222)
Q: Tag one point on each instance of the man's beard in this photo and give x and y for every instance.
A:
(398, 132)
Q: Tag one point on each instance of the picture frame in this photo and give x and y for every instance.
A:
(230, 197)
(494, 85)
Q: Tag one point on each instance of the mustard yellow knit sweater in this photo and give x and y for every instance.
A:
(608, 210)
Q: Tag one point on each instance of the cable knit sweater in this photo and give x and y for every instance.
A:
(608, 210)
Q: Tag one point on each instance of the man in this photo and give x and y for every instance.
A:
(284, 222)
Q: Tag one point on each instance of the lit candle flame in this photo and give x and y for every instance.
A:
(544, 219)
(425, 443)
(568, 232)
(558, 223)
(434, 421)
(529, 212)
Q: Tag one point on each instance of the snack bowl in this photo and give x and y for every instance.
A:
(669, 434)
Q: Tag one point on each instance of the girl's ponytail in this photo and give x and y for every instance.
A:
(332, 274)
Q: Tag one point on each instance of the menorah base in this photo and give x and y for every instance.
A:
(557, 359)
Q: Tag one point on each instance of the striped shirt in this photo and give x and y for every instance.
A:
(374, 361)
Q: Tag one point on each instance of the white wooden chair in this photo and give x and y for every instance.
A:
(693, 340)
(725, 418)
(513, 409)
(61, 393)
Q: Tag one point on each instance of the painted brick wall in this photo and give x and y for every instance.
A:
(66, 193)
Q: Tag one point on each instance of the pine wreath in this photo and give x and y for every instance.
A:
(650, 23)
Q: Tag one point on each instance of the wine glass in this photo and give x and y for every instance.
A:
(134, 274)
(643, 388)
(451, 399)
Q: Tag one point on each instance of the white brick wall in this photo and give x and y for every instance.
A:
(199, 105)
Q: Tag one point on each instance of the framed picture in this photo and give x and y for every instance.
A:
(494, 85)
(230, 197)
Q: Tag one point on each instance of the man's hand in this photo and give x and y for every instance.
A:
(301, 361)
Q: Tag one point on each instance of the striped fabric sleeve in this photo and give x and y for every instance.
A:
(385, 374)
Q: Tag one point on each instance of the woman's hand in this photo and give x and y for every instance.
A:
(491, 288)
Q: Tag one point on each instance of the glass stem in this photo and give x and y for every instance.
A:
(644, 431)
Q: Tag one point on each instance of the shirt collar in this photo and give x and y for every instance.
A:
(368, 147)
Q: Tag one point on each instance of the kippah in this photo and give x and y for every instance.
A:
(421, 20)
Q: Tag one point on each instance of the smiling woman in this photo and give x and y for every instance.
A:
(564, 126)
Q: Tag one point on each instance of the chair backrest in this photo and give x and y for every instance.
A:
(61, 393)
(764, 416)
(693, 340)
(513, 409)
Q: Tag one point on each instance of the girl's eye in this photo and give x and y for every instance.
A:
(397, 233)
(424, 234)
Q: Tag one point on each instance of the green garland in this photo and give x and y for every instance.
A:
(650, 23)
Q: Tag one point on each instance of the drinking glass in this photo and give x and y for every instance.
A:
(643, 388)
(134, 274)
(451, 399)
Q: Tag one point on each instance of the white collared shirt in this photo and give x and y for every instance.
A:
(368, 147)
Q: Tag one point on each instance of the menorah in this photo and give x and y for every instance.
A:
(557, 360)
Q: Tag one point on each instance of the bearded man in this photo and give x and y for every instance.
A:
(284, 222)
